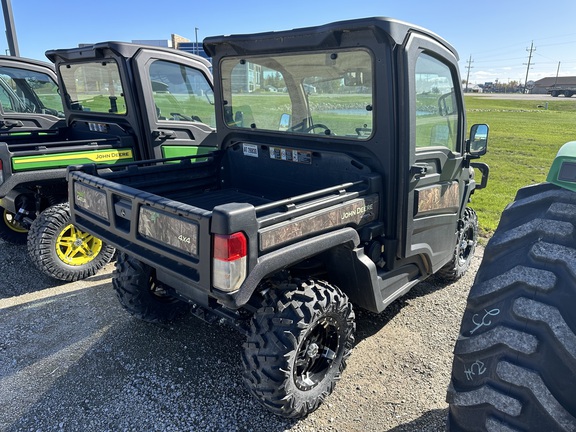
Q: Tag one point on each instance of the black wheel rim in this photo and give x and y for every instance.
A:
(316, 354)
(466, 245)
(157, 291)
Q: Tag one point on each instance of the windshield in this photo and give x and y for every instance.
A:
(327, 93)
(94, 87)
(26, 91)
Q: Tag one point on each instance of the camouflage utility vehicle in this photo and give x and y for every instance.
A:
(117, 102)
(514, 363)
(342, 177)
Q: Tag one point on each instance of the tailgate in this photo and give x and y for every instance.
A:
(158, 231)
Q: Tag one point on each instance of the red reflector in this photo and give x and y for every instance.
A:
(229, 247)
(0, 164)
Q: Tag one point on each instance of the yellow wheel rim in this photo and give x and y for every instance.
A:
(75, 247)
(11, 223)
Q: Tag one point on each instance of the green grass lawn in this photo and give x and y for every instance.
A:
(524, 139)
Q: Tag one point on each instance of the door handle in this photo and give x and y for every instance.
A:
(419, 170)
(163, 133)
(11, 123)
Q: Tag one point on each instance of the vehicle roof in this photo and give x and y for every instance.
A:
(23, 62)
(264, 42)
(124, 49)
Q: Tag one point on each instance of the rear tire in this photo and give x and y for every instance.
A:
(61, 251)
(465, 247)
(10, 230)
(297, 346)
(141, 294)
(514, 363)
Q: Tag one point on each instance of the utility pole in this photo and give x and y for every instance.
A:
(531, 50)
(468, 74)
(557, 72)
(10, 29)
(197, 49)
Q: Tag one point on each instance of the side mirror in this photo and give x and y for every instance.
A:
(478, 143)
(285, 120)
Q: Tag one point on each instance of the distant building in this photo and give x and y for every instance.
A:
(175, 41)
(472, 88)
(193, 48)
(164, 43)
(541, 85)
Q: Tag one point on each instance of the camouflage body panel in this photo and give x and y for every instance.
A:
(170, 230)
(438, 197)
(91, 199)
(356, 212)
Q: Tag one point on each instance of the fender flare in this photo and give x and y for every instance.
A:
(285, 257)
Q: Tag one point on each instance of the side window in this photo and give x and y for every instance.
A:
(5, 100)
(436, 106)
(27, 91)
(181, 93)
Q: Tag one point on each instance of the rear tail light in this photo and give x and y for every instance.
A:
(1, 173)
(229, 261)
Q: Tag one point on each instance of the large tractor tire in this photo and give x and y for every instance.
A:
(297, 346)
(141, 294)
(62, 251)
(514, 363)
(10, 230)
(465, 246)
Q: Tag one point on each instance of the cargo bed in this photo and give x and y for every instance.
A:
(168, 214)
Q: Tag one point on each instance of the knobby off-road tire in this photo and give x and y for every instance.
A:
(141, 294)
(514, 363)
(465, 247)
(61, 251)
(10, 230)
(297, 346)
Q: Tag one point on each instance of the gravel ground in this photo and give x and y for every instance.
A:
(71, 359)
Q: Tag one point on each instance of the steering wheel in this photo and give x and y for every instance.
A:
(317, 125)
(181, 117)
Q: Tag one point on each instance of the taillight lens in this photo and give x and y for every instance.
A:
(229, 261)
(1, 173)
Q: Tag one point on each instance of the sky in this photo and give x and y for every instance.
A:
(492, 37)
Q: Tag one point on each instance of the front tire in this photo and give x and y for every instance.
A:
(61, 251)
(514, 365)
(10, 230)
(297, 346)
(465, 247)
(141, 294)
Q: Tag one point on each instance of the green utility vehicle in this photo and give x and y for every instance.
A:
(514, 363)
(122, 102)
(30, 107)
(343, 176)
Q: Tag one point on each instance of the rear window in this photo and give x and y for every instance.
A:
(329, 94)
(94, 87)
